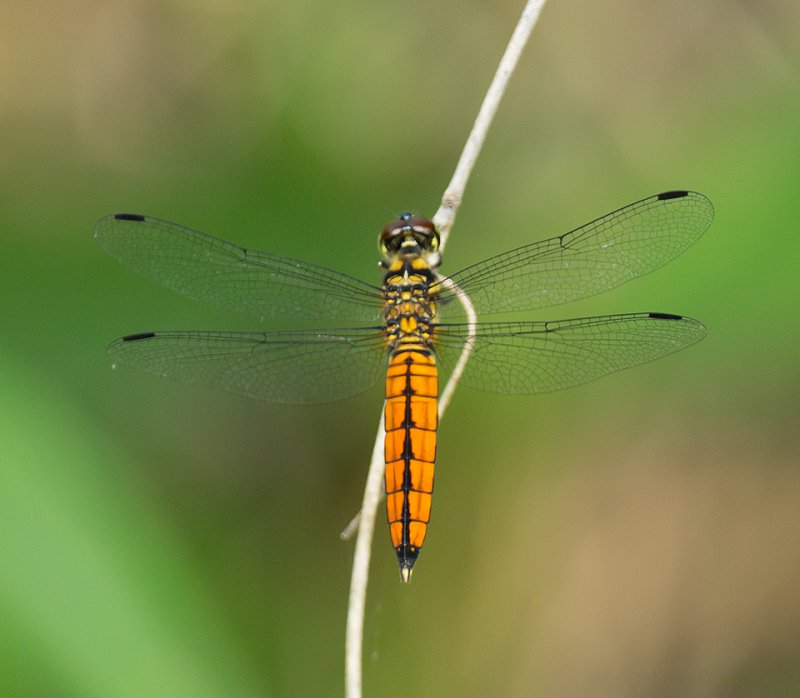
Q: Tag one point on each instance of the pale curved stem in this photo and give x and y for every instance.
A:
(472, 326)
(358, 580)
(352, 528)
(443, 219)
(454, 194)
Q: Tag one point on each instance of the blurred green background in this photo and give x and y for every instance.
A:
(636, 536)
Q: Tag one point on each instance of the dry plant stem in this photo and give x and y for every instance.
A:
(358, 579)
(350, 530)
(472, 320)
(453, 195)
(443, 219)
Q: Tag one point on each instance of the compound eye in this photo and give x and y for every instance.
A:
(425, 233)
(390, 238)
(429, 240)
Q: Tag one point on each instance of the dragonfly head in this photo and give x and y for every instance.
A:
(409, 235)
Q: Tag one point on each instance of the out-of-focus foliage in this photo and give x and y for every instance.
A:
(637, 536)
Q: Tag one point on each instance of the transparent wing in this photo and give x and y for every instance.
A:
(539, 357)
(230, 276)
(598, 256)
(308, 366)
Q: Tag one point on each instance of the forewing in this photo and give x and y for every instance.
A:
(598, 256)
(309, 366)
(539, 357)
(230, 276)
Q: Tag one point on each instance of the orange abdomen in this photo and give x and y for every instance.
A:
(411, 417)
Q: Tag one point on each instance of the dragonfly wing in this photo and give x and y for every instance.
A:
(598, 256)
(230, 276)
(307, 366)
(539, 357)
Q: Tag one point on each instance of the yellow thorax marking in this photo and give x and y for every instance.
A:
(408, 324)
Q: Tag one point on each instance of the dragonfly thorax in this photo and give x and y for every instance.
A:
(409, 305)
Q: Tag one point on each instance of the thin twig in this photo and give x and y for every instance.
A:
(352, 528)
(453, 195)
(466, 351)
(443, 219)
(358, 580)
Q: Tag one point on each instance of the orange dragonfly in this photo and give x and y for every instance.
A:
(413, 321)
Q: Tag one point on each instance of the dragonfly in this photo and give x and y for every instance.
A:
(410, 329)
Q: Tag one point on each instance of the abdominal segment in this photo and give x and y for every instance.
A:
(410, 449)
